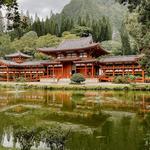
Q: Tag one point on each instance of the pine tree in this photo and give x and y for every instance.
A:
(1, 22)
(126, 48)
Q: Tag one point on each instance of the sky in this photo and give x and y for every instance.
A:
(42, 7)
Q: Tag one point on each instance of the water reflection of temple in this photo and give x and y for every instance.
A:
(77, 101)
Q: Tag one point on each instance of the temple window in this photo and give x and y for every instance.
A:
(60, 56)
(72, 55)
(83, 55)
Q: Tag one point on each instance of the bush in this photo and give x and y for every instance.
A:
(131, 77)
(121, 79)
(77, 78)
(20, 79)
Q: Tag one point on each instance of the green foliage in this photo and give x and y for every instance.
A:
(138, 23)
(1, 22)
(41, 56)
(20, 79)
(114, 47)
(126, 48)
(95, 10)
(54, 137)
(48, 41)
(69, 35)
(121, 79)
(27, 43)
(77, 78)
(81, 30)
(131, 77)
(5, 44)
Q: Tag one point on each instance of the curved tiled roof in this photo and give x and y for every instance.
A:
(27, 63)
(18, 54)
(8, 62)
(73, 44)
(115, 59)
(76, 43)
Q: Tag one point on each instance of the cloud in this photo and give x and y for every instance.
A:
(42, 7)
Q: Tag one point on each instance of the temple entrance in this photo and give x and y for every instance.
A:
(67, 70)
(73, 69)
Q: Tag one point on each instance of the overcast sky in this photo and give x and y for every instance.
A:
(42, 7)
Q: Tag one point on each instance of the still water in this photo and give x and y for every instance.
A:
(99, 120)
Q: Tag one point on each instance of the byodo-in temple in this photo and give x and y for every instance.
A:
(70, 57)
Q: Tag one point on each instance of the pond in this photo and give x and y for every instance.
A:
(98, 120)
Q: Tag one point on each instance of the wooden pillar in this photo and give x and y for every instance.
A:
(47, 72)
(53, 71)
(113, 70)
(143, 76)
(62, 71)
(85, 70)
(7, 74)
(37, 72)
(133, 69)
(30, 74)
(25, 73)
(92, 70)
(123, 69)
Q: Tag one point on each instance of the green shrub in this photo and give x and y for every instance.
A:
(77, 78)
(132, 77)
(20, 79)
(121, 79)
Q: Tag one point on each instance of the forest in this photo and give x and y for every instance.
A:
(121, 27)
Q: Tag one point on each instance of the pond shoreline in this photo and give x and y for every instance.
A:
(66, 86)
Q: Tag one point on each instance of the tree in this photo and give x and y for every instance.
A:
(5, 42)
(77, 78)
(138, 25)
(12, 14)
(54, 137)
(69, 35)
(81, 30)
(126, 48)
(114, 47)
(27, 43)
(1, 22)
(48, 41)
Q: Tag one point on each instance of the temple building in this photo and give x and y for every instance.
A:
(112, 66)
(90, 59)
(74, 56)
(19, 65)
(70, 57)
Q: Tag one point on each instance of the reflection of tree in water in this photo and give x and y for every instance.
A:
(146, 128)
(77, 96)
(53, 137)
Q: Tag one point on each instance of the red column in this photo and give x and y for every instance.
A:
(25, 76)
(92, 70)
(132, 69)
(143, 76)
(113, 70)
(30, 74)
(47, 72)
(7, 75)
(36, 72)
(123, 69)
(53, 71)
(85, 70)
(62, 71)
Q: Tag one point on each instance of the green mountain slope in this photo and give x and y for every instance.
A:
(96, 9)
